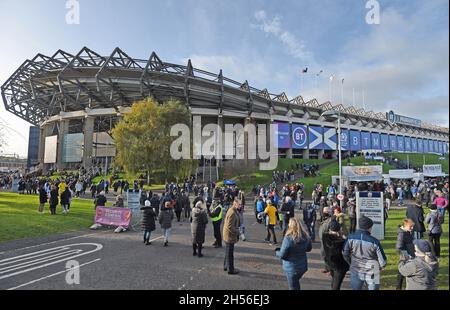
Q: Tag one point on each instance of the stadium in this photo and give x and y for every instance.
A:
(75, 100)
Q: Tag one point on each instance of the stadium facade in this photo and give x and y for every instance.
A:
(76, 100)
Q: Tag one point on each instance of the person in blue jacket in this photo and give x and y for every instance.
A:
(296, 244)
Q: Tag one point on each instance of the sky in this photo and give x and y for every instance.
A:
(400, 64)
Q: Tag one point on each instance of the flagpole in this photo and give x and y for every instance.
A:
(364, 100)
(353, 96)
(342, 91)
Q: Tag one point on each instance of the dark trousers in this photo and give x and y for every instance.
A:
(228, 263)
(400, 279)
(217, 234)
(435, 240)
(147, 234)
(52, 209)
(187, 213)
(178, 214)
(271, 232)
(352, 224)
(337, 279)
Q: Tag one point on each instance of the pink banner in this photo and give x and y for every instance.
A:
(113, 216)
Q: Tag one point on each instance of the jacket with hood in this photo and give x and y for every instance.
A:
(416, 214)
(419, 274)
(434, 221)
(333, 245)
(199, 219)
(165, 218)
(405, 241)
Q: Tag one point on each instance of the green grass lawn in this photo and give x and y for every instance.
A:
(19, 217)
(389, 274)
(417, 160)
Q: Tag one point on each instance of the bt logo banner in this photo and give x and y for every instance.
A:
(299, 136)
(366, 140)
(385, 142)
(315, 138)
(329, 139)
(355, 140)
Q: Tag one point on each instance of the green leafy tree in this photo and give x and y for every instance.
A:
(143, 140)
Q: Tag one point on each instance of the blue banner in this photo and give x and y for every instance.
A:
(315, 138)
(329, 139)
(376, 141)
(414, 145)
(419, 145)
(283, 134)
(385, 142)
(299, 137)
(425, 146)
(366, 141)
(393, 143)
(408, 147)
(441, 147)
(436, 146)
(430, 146)
(345, 140)
(400, 143)
(446, 148)
(355, 140)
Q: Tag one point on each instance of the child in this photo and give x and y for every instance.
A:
(165, 219)
(148, 221)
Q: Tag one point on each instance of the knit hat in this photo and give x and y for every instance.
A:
(422, 245)
(335, 226)
(147, 203)
(365, 223)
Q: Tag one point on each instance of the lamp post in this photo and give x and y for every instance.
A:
(333, 114)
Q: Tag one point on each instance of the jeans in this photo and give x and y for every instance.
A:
(442, 212)
(41, 208)
(178, 214)
(312, 230)
(293, 279)
(166, 233)
(435, 240)
(285, 225)
(271, 232)
(228, 263)
(147, 234)
(358, 279)
(187, 213)
(352, 224)
(337, 279)
(417, 235)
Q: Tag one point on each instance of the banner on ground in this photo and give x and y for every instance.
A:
(432, 170)
(362, 173)
(370, 204)
(113, 216)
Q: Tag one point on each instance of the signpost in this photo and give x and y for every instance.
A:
(370, 204)
(133, 197)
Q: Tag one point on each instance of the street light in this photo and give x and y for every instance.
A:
(333, 114)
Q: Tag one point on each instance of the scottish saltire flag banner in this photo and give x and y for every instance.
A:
(393, 143)
(329, 139)
(376, 141)
(385, 142)
(355, 140)
(345, 140)
(299, 137)
(283, 134)
(366, 141)
(315, 138)
(400, 143)
(419, 145)
(408, 144)
(414, 145)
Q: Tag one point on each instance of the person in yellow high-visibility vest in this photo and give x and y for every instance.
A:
(272, 214)
(216, 215)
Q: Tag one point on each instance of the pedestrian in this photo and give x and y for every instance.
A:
(434, 220)
(165, 220)
(333, 242)
(53, 199)
(310, 218)
(287, 211)
(66, 195)
(260, 207)
(324, 227)
(179, 207)
(216, 216)
(272, 215)
(186, 205)
(365, 255)
(43, 197)
(148, 221)
(340, 218)
(231, 236)
(198, 219)
(415, 213)
(352, 214)
(421, 272)
(120, 203)
(441, 203)
(100, 200)
(296, 244)
(405, 245)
